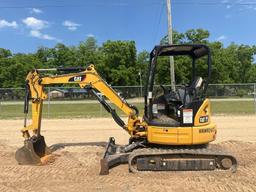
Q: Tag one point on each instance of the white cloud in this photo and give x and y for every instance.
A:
(35, 33)
(36, 11)
(246, 5)
(228, 6)
(4, 23)
(71, 25)
(34, 23)
(221, 38)
(39, 35)
(90, 35)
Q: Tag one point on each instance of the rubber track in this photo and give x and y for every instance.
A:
(206, 152)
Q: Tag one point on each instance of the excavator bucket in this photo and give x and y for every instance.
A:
(33, 151)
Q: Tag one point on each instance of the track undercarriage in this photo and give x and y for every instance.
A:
(141, 157)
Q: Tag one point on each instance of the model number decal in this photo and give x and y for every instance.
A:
(77, 78)
(203, 119)
(208, 130)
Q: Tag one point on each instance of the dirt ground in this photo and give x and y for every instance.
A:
(79, 144)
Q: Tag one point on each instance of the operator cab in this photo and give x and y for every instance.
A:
(173, 108)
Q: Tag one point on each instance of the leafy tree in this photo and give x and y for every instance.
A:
(86, 52)
(5, 53)
(178, 38)
(14, 70)
(119, 63)
(197, 36)
(142, 65)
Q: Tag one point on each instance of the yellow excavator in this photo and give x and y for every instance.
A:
(172, 135)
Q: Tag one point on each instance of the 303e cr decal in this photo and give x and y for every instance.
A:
(204, 119)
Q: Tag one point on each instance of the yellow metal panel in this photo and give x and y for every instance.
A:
(182, 135)
(162, 135)
(204, 134)
(185, 135)
(204, 110)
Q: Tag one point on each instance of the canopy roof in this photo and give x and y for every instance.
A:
(194, 50)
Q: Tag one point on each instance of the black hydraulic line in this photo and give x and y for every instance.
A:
(63, 69)
(26, 98)
(136, 110)
(26, 102)
(71, 69)
(108, 108)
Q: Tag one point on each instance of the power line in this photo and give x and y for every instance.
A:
(215, 3)
(198, 3)
(76, 5)
(159, 21)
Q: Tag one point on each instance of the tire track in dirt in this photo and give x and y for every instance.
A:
(76, 168)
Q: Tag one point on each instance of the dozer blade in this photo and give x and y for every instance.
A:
(33, 150)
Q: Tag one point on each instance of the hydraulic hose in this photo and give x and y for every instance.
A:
(108, 108)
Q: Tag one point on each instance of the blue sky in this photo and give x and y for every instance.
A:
(27, 24)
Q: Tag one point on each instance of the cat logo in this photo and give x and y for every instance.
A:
(77, 78)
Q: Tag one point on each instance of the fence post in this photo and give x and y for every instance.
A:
(49, 101)
(254, 95)
(141, 90)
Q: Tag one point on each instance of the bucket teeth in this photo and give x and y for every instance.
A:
(32, 151)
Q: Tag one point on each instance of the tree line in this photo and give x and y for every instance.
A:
(119, 63)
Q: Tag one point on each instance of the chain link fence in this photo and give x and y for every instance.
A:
(75, 102)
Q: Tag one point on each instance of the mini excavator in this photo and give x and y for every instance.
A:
(172, 135)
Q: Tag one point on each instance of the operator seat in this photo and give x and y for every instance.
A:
(169, 103)
(187, 94)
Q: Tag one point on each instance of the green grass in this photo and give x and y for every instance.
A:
(89, 110)
(233, 107)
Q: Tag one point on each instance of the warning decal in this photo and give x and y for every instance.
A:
(187, 116)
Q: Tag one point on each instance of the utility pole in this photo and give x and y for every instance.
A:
(172, 73)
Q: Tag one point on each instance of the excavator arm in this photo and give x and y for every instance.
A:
(89, 79)
(35, 147)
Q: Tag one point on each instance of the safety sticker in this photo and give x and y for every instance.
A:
(187, 116)
(154, 109)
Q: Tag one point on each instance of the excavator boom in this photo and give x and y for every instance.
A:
(35, 147)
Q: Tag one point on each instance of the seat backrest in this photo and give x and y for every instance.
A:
(187, 94)
(185, 99)
(197, 83)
